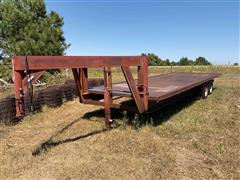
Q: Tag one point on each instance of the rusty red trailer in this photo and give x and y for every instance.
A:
(147, 93)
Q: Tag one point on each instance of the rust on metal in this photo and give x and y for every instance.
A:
(107, 94)
(146, 92)
(165, 85)
(58, 62)
(133, 88)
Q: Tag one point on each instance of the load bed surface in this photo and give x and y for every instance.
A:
(162, 86)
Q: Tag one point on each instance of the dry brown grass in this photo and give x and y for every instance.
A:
(191, 140)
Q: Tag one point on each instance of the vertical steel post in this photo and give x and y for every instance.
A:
(18, 93)
(77, 82)
(107, 94)
(84, 79)
(143, 81)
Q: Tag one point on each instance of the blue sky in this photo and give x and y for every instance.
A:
(171, 29)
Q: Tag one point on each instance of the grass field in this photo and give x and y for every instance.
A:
(192, 139)
(153, 70)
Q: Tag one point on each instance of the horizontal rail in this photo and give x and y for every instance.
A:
(114, 92)
(25, 68)
(58, 62)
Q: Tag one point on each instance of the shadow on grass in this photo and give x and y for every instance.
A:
(163, 114)
(157, 117)
(166, 111)
(50, 143)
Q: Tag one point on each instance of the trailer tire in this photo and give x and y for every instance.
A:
(210, 88)
(205, 92)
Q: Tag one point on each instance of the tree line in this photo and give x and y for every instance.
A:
(154, 60)
(27, 29)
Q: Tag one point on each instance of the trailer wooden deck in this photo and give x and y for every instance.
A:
(162, 86)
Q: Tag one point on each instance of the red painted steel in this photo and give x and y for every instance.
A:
(145, 92)
(107, 94)
(58, 62)
(35, 75)
(133, 88)
(27, 66)
(84, 79)
(143, 82)
(18, 90)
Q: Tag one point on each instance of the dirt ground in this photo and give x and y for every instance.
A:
(193, 139)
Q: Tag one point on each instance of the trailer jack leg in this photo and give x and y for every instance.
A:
(107, 111)
(107, 95)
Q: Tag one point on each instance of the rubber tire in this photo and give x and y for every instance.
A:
(205, 92)
(210, 88)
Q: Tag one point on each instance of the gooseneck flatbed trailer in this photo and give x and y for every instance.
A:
(146, 93)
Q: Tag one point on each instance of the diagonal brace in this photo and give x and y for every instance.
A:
(132, 86)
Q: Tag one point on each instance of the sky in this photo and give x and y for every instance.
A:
(168, 28)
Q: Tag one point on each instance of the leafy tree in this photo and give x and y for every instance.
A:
(184, 61)
(235, 64)
(201, 61)
(27, 29)
(153, 60)
(161, 62)
(191, 62)
(173, 63)
(167, 62)
(5, 70)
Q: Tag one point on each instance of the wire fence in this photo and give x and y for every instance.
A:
(53, 96)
